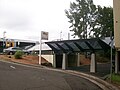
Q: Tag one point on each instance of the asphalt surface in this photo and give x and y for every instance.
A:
(16, 77)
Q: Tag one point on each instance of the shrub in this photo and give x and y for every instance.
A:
(18, 54)
(101, 59)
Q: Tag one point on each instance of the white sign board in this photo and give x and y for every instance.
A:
(44, 35)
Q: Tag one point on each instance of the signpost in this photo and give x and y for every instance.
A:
(44, 36)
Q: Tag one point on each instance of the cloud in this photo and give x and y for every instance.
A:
(33, 37)
(27, 18)
(13, 20)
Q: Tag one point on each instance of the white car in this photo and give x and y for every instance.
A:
(13, 50)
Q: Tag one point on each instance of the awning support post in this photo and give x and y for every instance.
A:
(93, 63)
(64, 61)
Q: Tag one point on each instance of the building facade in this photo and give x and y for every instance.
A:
(116, 10)
(6, 43)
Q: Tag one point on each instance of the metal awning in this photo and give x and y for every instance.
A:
(79, 45)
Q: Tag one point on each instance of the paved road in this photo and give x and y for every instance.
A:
(16, 77)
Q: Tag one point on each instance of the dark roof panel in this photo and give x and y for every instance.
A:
(80, 45)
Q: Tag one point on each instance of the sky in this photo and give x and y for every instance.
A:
(25, 19)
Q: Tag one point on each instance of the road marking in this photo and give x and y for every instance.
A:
(13, 67)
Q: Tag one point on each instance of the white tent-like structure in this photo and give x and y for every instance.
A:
(46, 51)
(37, 47)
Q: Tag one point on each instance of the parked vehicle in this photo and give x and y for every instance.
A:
(12, 50)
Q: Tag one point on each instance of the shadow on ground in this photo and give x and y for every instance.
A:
(102, 70)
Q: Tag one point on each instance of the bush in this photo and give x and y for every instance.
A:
(18, 54)
(101, 59)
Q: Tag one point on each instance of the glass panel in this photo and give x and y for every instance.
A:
(64, 46)
(95, 44)
(83, 45)
(55, 46)
(73, 46)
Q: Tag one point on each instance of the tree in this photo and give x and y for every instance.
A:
(104, 22)
(90, 21)
(82, 16)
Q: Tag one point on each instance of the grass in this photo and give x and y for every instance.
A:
(116, 78)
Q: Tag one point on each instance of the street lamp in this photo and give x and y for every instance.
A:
(111, 64)
(4, 38)
(60, 35)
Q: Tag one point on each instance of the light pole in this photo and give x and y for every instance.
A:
(60, 35)
(4, 38)
(111, 57)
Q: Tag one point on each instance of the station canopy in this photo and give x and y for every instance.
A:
(79, 45)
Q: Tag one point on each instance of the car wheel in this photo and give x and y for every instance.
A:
(10, 53)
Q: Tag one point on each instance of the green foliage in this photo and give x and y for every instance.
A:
(104, 21)
(105, 56)
(116, 78)
(81, 16)
(102, 58)
(89, 20)
(18, 54)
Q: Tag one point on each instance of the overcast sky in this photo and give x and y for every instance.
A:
(25, 19)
